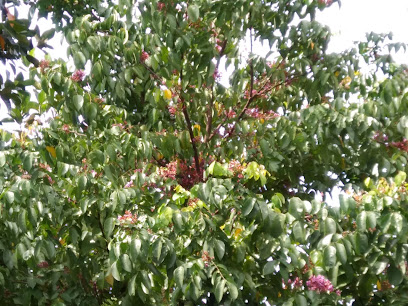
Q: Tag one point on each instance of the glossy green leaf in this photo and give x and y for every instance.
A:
(179, 276)
(219, 290)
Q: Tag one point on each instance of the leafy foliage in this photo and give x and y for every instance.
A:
(154, 184)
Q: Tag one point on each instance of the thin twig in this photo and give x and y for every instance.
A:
(188, 122)
(210, 106)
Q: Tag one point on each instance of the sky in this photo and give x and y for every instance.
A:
(357, 17)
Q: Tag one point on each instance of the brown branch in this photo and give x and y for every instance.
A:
(251, 63)
(210, 106)
(242, 113)
(188, 122)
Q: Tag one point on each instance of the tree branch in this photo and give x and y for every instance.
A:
(188, 122)
(210, 106)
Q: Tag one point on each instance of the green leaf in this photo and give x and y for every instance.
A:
(217, 170)
(219, 248)
(132, 286)
(78, 101)
(362, 221)
(178, 220)
(330, 226)
(135, 246)
(115, 271)
(79, 60)
(22, 220)
(25, 187)
(179, 276)
(298, 232)
(157, 249)
(296, 207)
(126, 263)
(371, 220)
(301, 300)
(329, 256)
(248, 206)
(82, 182)
(9, 196)
(193, 12)
(269, 267)
(395, 275)
(108, 226)
(341, 253)
(219, 290)
(233, 291)
(380, 265)
(28, 162)
(2, 159)
(400, 178)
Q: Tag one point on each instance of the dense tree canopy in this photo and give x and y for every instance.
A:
(148, 182)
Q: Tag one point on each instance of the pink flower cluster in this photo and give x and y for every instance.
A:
(402, 145)
(169, 171)
(235, 167)
(296, 283)
(326, 2)
(78, 76)
(217, 75)
(256, 113)
(129, 184)
(144, 56)
(380, 137)
(172, 110)
(44, 64)
(231, 114)
(127, 218)
(319, 283)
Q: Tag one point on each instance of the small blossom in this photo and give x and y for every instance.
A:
(231, 114)
(44, 64)
(129, 184)
(44, 167)
(295, 283)
(43, 264)
(128, 218)
(160, 6)
(144, 56)
(172, 110)
(78, 76)
(66, 129)
(216, 75)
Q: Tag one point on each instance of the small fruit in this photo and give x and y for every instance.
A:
(167, 94)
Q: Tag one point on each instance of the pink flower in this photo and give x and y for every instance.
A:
(216, 75)
(43, 264)
(127, 218)
(160, 6)
(231, 114)
(44, 64)
(129, 184)
(319, 283)
(78, 76)
(172, 110)
(144, 56)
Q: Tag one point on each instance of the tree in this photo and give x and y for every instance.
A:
(153, 184)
